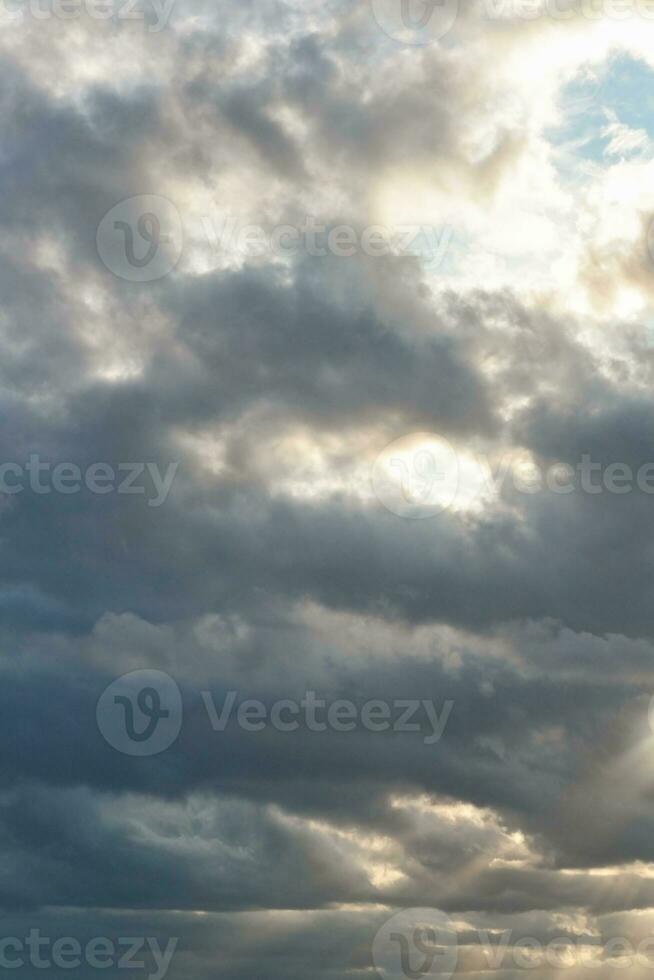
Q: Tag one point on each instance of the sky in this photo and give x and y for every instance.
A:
(327, 489)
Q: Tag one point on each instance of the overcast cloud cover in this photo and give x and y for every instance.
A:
(278, 547)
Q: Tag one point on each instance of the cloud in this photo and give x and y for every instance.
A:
(271, 383)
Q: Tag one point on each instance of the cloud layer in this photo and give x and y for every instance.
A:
(514, 156)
